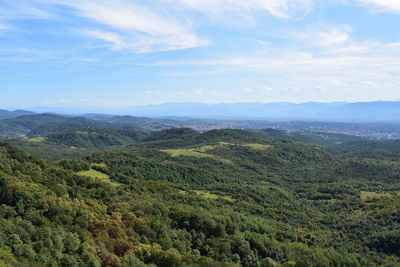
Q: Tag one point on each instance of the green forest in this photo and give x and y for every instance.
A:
(118, 196)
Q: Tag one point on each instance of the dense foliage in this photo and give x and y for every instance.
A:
(70, 144)
(181, 198)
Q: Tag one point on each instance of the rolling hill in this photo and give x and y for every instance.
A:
(178, 197)
(70, 144)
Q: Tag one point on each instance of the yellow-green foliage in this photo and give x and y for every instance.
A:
(195, 152)
(83, 132)
(7, 258)
(98, 175)
(258, 146)
(102, 165)
(365, 195)
(201, 152)
(94, 174)
(207, 195)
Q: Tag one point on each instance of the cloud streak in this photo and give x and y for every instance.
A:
(343, 63)
(130, 26)
(278, 8)
(388, 5)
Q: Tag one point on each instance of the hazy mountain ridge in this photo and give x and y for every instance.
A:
(377, 120)
(378, 111)
(337, 111)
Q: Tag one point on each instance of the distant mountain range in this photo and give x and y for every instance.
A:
(338, 111)
(380, 111)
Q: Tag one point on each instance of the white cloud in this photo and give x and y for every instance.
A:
(198, 92)
(320, 88)
(106, 36)
(371, 84)
(336, 69)
(337, 83)
(67, 101)
(157, 92)
(64, 101)
(133, 27)
(248, 90)
(333, 36)
(290, 88)
(23, 9)
(3, 28)
(267, 90)
(277, 8)
(390, 5)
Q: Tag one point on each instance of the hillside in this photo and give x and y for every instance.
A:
(42, 124)
(74, 143)
(182, 198)
(5, 114)
(385, 149)
(32, 125)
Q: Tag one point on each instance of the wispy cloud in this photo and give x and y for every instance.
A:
(131, 26)
(113, 38)
(3, 28)
(345, 63)
(23, 9)
(381, 5)
(277, 8)
(332, 36)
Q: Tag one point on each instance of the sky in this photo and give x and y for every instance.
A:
(102, 53)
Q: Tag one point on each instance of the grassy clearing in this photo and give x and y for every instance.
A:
(201, 152)
(195, 152)
(94, 174)
(258, 146)
(207, 195)
(98, 175)
(37, 139)
(83, 133)
(225, 144)
(365, 195)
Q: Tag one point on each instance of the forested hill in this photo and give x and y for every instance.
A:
(5, 114)
(73, 143)
(183, 198)
(42, 124)
(25, 124)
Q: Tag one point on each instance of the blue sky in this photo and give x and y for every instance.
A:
(99, 53)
